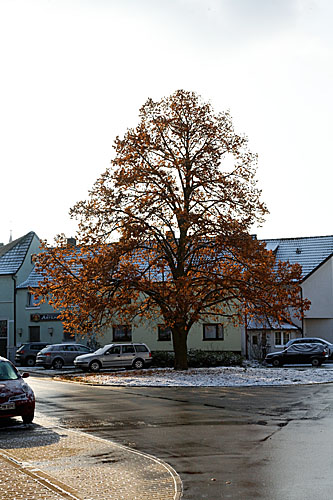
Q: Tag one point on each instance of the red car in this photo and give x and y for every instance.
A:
(16, 396)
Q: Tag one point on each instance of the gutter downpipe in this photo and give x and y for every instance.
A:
(302, 312)
(246, 338)
(14, 312)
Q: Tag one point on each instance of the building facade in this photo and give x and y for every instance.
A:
(16, 263)
(315, 255)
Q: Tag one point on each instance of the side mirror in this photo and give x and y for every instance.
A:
(25, 375)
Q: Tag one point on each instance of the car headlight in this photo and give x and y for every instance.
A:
(19, 397)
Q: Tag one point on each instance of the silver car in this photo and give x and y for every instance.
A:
(115, 355)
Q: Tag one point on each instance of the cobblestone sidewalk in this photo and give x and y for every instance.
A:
(39, 462)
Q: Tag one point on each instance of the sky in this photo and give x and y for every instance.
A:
(74, 74)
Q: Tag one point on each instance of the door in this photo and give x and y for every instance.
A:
(112, 357)
(69, 354)
(127, 355)
(293, 354)
(3, 338)
(34, 333)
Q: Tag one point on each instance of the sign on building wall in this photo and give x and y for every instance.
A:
(44, 317)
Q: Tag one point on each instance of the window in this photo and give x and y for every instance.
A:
(3, 328)
(67, 336)
(32, 301)
(82, 348)
(114, 350)
(128, 349)
(122, 333)
(69, 348)
(164, 333)
(213, 332)
(37, 347)
(141, 348)
(7, 371)
(255, 339)
(281, 338)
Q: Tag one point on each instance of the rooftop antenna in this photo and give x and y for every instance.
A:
(10, 236)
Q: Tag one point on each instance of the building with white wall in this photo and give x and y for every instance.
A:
(315, 255)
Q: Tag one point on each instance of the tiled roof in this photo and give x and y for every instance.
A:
(265, 324)
(309, 252)
(13, 254)
(32, 280)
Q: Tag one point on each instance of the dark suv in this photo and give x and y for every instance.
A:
(27, 353)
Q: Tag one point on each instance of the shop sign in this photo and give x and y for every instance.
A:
(45, 317)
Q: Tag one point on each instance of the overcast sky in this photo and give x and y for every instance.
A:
(74, 74)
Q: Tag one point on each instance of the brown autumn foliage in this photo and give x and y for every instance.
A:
(165, 232)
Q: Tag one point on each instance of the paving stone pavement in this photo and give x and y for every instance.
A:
(40, 462)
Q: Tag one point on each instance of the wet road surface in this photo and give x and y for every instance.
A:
(226, 443)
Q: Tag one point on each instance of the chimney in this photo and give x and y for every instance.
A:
(71, 242)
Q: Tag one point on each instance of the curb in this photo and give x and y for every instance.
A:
(59, 463)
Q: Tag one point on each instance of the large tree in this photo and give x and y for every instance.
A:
(165, 231)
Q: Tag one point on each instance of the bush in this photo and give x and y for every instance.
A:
(198, 359)
(163, 359)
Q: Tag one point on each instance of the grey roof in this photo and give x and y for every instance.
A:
(13, 254)
(309, 252)
(269, 324)
(32, 280)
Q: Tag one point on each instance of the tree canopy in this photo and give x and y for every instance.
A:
(166, 231)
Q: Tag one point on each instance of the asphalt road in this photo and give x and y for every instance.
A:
(226, 443)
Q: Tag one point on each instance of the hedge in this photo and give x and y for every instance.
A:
(198, 359)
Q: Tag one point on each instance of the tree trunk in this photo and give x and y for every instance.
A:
(179, 338)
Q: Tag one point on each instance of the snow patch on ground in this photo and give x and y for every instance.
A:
(212, 377)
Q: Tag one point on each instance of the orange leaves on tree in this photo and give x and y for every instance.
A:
(165, 231)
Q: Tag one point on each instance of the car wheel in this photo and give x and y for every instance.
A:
(57, 364)
(316, 362)
(276, 362)
(138, 364)
(95, 366)
(30, 361)
(28, 418)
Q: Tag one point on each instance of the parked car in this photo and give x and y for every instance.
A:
(312, 340)
(16, 396)
(26, 354)
(315, 354)
(115, 355)
(58, 355)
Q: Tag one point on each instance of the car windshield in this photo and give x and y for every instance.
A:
(7, 371)
(22, 347)
(101, 350)
(46, 349)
